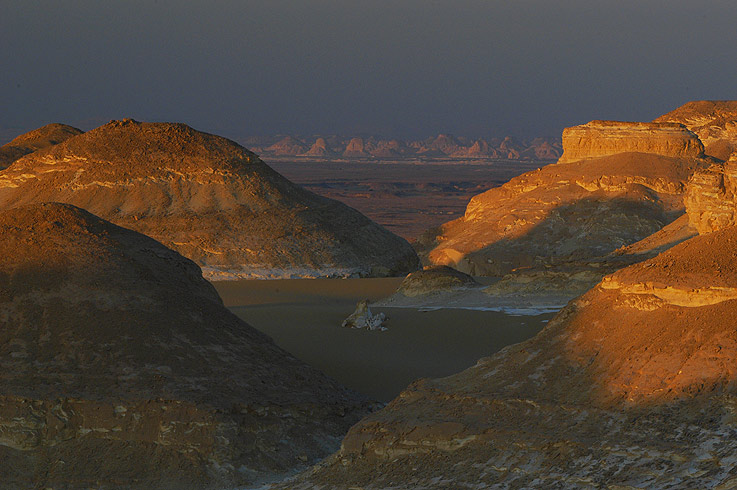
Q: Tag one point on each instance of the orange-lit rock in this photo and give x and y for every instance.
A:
(632, 385)
(43, 137)
(714, 121)
(603, 138)
(210, 199)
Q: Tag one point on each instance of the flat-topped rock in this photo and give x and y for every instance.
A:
(123, 369)
(632, 385)
(434, 279)
(602, 138)
(210, 199)
(43, 137)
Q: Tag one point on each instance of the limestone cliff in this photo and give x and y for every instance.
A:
(603, 138)
(632, 385)
(711, 199)
(43, 137)
(714, 121)
(123, 369)
(208, 198)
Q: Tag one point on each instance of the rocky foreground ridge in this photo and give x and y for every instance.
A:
(208, 198)
(123, 369)
(43, 137)
(632, 385)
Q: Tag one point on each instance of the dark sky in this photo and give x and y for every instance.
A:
(404, 67)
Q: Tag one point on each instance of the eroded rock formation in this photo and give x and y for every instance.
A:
(123, 369)
(208, 198)
(714, 121)
(603, 138)
(43, 137)
(632, 385)
(711, 200)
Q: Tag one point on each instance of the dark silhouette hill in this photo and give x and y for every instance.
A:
(123, 369)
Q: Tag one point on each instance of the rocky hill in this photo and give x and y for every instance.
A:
(208, 198)
(632, 385)
(123, 369)
(564, 226)
(714, 121)
(43, 137)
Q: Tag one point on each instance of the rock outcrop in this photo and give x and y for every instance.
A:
(208, 198)
(123, 369)
(43, 137)
(714, 121)
(563, 213)
(288, 145)
(603, 138)
(632, 385)
(320, 149)
(711, 199)
(435, 279)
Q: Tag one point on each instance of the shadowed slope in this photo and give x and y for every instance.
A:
(633, 385)
(121, 368)
(43, 137)
(208, 198)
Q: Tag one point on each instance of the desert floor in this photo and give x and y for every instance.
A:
(304, 316)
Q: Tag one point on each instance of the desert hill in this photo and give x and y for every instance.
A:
(208, 198)
(632, 385)
(714, 121)
(616, 184)
(43, 137)
(122, 368)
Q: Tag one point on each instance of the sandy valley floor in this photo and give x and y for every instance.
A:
(304, 316)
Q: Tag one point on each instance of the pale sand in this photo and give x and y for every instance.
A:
(304, 316)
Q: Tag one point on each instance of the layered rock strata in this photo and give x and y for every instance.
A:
(602, 138)
(43, 137)
(208, 198)
(714, 121)
(632, 385)
(711, 200)
(123, 369)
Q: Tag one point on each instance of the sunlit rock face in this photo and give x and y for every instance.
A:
(714, 121)
(208, 198)
(603, 138)
(122, 368)
(43, 137)
(632, 385)
(563, 213)
(711, 200)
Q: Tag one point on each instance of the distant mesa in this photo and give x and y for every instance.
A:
(604, 138)
(714, 121)
(122, 367)
(208, 198)
(43, 137)
(289, 145)
(320, 149)
(624, 388)
(355, 149)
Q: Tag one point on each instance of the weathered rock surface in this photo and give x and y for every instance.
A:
(714, 121)
(122, 369)
(564, 214)
(632, 385)
(435, 279)
(43, 137)
(362, 317)
(208, 198)
(603, 138)
(711, 199)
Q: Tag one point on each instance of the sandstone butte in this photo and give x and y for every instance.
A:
(632, 385)
(564, 226)
(209, 199)
(123, 369)
(40, 138)
(714, 121)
